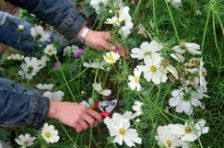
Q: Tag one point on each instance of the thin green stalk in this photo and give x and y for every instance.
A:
(137, 8)
(74, 78)
(205, 31)
(67, 133)
(172, 20)
(66, 82)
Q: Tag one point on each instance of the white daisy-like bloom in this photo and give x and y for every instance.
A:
(178, 54)
(45, 86)
(192, 48)
(105, 92)
(56, 96)
(137, 107)
(96, 64)
(49, 133)
(184, 99)
(146, 49)
(50, 50)
(152, 69)
(15, 57)
(39, 34)
(99, 5)
(123, 21)
(25, 140)
(20, 28)
(129, 115)
(175, 3)
(166, 138)
(119, 127)
(134, 80)
(30, 67)
(111, 57)
(190, 131)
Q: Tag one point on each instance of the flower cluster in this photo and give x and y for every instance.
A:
(48, 133)
(120, 17)
(177, 135)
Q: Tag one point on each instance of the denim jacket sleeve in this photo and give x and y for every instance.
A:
(9, 34)
(59, 13)
(18, 107)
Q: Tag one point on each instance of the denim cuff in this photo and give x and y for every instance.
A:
(18, 109)
(71, 25)
(38, 111)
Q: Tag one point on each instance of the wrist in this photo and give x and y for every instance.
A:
(52, 111)
(83, 34)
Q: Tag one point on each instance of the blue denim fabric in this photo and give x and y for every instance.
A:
(10, 35)
(59, 13)
(20, 106)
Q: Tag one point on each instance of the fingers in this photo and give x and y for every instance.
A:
(89, 120)
(109, 46)
(95, 115)
(78, 127)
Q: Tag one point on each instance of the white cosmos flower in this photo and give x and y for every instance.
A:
(25, 140)
(30, 67)
(99, 5)
(39, 34)
(190, 131)
(137, 107)
(129, 115)
(49, 133)
(56, 96)
(119, 127)
(16, 57)
(100, 90)
(111, 57)
(146, 49)
(185, 99)
(50, 50)
(122, 20)
(45, 86)
(166, 138)
(134, 80)
(97, 64)
(153, 70)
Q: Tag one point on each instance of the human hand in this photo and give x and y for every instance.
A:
(75, 115)
(102, 41)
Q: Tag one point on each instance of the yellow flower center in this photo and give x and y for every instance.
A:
(26, 142)
(48, 135)
(111, 58)
(136, 79)
(169, 143)
(122, 131)
(153, 68)
(50, 50)
(147, 53)
(187, 130)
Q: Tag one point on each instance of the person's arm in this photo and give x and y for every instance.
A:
(9, 34)
(59, 13)
(18, 109)
(20, 106)
(66, 20)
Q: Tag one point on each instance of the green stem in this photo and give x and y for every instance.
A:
(66, 82)
(172, 20)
